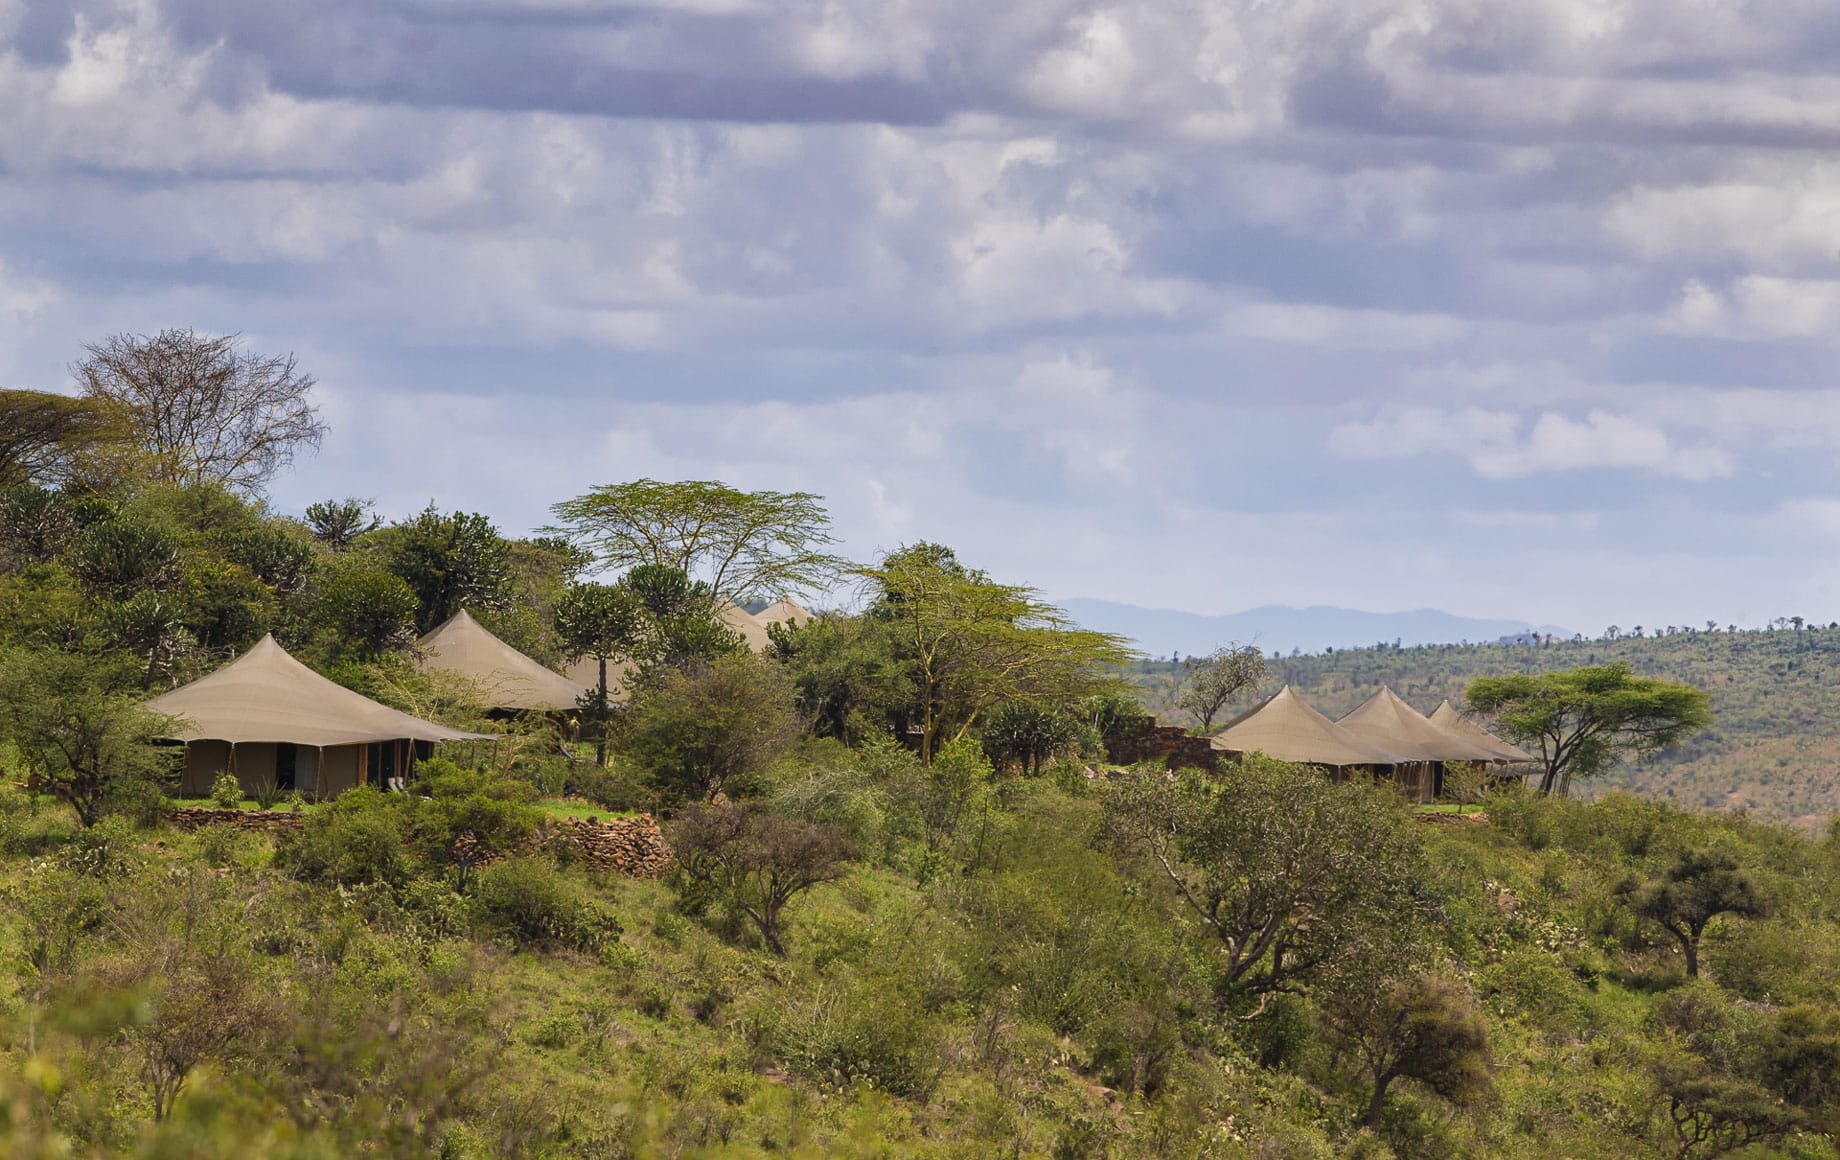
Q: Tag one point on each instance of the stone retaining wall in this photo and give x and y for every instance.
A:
(262, 821)
(1141, 739)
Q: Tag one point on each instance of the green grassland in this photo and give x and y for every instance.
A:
(1024, 994)
(1773, 749)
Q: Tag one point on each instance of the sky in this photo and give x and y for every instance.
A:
(1518, 310)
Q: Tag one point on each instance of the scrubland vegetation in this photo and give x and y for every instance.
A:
(912, 911)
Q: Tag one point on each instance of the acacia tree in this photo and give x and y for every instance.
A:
(601, 621)
(86, 745)
(202, 408)
(1418, 1027)
(1584, 720)
(740, 543)
(1697, 888)
(1218, 678)
(1292, 874)
(972, 643)
(41, 433)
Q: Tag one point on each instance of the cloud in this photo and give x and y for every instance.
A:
(1495, 447)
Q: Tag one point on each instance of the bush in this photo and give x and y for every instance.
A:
(613, 790)
(867, 1034)
(356, 839)
(535, 906)
(226, 791)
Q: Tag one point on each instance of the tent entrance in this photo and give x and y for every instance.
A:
(286, 761)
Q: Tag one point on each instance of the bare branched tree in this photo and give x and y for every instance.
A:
(203, 408)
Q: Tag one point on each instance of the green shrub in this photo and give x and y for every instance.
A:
(870, 1034)
(356, 839)
(614, 790)
(267, 792)
(535, 906)
(226, 791)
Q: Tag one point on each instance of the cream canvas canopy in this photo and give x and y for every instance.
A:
(737, 619)
(783, 610)
(267, 695)
(1447, 718)
(586, 672)
(510, 679)
(1286, 728)
(1385, 720)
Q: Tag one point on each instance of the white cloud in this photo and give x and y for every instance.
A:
(1495, 447)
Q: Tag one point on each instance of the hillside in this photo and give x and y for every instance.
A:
(1774, 748)
(1160, 631)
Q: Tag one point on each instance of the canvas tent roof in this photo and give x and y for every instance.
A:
(782, 610)
(1447, 718)
(586, 672)
(510, 679)
(1286, 728)
(752, 631)
(267, 695)
(1387, 721)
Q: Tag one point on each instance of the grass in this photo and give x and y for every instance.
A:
(576, 808)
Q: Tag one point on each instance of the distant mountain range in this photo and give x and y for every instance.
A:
(1277, 627)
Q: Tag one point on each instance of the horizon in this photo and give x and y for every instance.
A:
(1197, 310)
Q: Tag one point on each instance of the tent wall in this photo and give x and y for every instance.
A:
(204, 760)
(338, 769)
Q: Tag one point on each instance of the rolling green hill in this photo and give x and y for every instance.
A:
(1774, 748)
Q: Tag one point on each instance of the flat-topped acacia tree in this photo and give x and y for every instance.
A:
(1584, 720)
(740, 543)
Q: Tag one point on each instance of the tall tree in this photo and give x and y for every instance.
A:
(741, 543)
(1217, 678)
(1584, 720)
(972, 643)
(450, 562)
(204, 409)
(337, 523)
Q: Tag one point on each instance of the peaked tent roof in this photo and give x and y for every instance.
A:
(586, 672)
(1286, 728)
(752, 631)
(1385, 720)
(512, 680)
(267, 695)
(1447, 718)
(781, 610)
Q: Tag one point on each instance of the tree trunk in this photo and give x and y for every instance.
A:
(1378, 1104)
(600, 712)
(1690, 945)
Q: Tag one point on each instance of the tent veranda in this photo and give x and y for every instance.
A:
(265, 715)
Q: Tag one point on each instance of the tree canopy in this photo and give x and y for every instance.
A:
(741, 543)
(1584, 720)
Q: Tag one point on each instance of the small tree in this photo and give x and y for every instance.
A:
(1698, 887)
(1292, 874)
(203, 409)
(1216, 679)
(365, 611)
(602, 622)
(755, 860)
(1713, 1114)
(338, 523)
(1424, 1028)
(1028, 734)
(85, 745)
(1584, 720)
(698, 730)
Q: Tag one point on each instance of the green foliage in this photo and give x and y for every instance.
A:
(850, 678)
(365, 612)
(1214, 680)
(1698, 887)
(91, 748)
(755, 861)
(1582, 721)
(1421, 1027)
(1293, 875)
(970, 643)
(697, 732)
(1028, 735)
(741, 543)
(535, 906)
(226, 791)
(449, 562)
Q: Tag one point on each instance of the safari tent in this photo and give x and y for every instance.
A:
(509, 679)
(738, 619)
(266, 715)
(781, 611)
(1387, 721)
(1447, 718)
(1287, 728)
